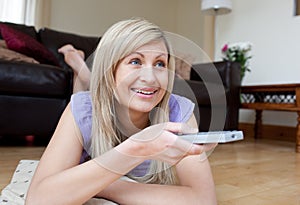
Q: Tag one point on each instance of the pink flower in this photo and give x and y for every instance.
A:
(225, 47)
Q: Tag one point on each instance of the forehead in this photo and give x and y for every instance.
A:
(154, 47)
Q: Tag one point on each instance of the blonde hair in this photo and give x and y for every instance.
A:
(120, 40)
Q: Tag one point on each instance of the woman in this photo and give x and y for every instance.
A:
(126, 125)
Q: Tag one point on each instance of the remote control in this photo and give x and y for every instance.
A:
(213, 137)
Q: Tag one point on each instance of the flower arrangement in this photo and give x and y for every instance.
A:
(238, 52)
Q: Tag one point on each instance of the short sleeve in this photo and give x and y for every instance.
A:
(181, 108)
(81, 107)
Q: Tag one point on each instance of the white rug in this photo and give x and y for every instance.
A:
(15, 192)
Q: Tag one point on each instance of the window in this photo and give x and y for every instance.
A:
(18, 11)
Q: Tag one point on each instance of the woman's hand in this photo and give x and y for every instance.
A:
(160, 142)
(157, 142)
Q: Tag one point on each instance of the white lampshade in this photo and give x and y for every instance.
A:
(216, 7)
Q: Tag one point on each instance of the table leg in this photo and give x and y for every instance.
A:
(298, 134)
(298, 120)
(258, 124)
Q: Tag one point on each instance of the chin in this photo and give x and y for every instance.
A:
(142, 108)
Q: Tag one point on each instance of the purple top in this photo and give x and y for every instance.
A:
(181, 109)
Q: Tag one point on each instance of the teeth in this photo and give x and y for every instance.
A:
(144, 92)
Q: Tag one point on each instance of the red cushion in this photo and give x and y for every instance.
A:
(25, 44)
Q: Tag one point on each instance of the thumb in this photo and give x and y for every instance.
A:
(180, 128)
(187, 129)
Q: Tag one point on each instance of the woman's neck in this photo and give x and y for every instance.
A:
(130, 121)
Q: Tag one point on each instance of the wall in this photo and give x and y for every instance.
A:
(268, 24)
(275, 34)
(189, 21)
(93, 17)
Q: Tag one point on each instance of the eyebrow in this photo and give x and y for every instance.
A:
(142, 55)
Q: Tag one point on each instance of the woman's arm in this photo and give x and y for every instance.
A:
(59, 179)
(196, 185)
(195, 172)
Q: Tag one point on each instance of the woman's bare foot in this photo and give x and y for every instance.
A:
(75, 59)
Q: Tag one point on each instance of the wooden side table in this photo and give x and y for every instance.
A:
(278, 97)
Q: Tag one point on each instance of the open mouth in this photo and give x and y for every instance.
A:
(144, 92)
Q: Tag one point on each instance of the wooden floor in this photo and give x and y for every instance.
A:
(10, 157)
(252, 172)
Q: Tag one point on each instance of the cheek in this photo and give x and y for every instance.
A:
(163, 79)
(121, 75)
(124, 78)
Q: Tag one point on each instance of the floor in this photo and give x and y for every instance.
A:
(257, 172)
(252, 172)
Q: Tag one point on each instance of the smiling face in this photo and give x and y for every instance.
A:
(142, 78)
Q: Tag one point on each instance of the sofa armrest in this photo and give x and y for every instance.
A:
(229, 72)
(20, 78)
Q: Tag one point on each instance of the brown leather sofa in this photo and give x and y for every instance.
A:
(33, 96)
(215, 89)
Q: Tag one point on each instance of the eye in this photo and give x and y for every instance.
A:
(160, 64)
(135, 61)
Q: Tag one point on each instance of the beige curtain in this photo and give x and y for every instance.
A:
(42, 13)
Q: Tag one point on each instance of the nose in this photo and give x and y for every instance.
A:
(147, 75)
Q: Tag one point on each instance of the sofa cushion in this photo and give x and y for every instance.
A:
(29, 30)
(10, 55)
(25, 44)
(53, 40)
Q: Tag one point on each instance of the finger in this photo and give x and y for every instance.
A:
(188, 148)
(177, 151)
(208, 150)
(181, 128)
(210, 146)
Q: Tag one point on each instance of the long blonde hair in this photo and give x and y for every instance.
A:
(120, 40)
